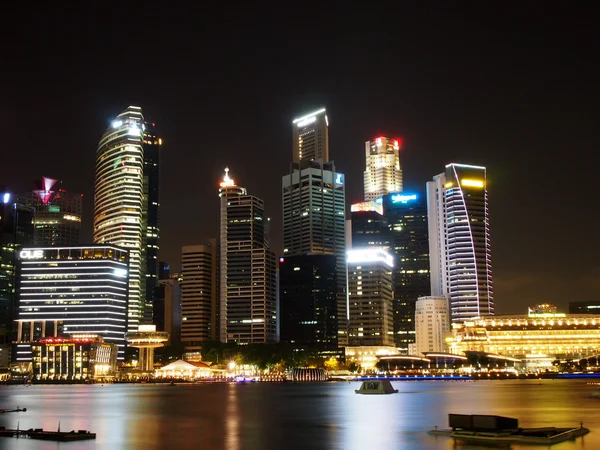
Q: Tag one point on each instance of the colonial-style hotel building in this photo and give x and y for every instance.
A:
(541, 335)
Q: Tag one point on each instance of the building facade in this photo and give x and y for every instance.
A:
(529, 337)
(199, 295)
(248, 297)
(125, 193)
(314, 222)
(16, 230)
(311, 137)
(460, 250)
(74, 358)
(58, 214)
(432, 324)
(308, 308)
(584, 307)
(383, 174)
(72, 290)
(151, 214)
(398, 224)
(370, 297)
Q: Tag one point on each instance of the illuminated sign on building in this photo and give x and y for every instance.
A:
(368, 255)
(399, 198)
(339, 178)
(31, 254)
(471, 183)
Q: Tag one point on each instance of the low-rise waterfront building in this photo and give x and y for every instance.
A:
(366, 357)
(73, 358)
(537, 338)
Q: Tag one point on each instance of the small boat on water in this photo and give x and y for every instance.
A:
(17, 409)
(497, 429)
(376, 387)
(41, 434)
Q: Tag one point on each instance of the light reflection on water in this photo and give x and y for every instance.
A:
(290, 416)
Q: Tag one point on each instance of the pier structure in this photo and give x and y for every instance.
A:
(146, 339)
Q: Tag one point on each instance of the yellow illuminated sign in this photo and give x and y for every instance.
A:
(448, 184)
(467, 182)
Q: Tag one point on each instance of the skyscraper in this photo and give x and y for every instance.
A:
(308, 307)
(150, 214)
(311, 137)
(398, 224)
(57, 218)
(370, 297)
(16, 230)
(314, 222)
(198, 294)
(248, 297)
(460, 248)
(383, 174)
(125, 185)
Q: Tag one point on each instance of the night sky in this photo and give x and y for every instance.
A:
(515, 90)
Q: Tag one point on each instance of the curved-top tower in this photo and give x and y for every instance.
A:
(119, 197)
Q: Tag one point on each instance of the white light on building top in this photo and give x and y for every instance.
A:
(367, 255)
(308, 116)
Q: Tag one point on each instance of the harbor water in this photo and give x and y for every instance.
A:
(258, 416)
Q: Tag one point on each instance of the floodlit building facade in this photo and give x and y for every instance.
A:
(72, 291)
(58, 213)
(459, 236)
(432, 324)
(199, 295)
(73, 358)
(248, 292)
(311, 137)
(370, 297)
(126, 202)
(536, 336)
(383, 174)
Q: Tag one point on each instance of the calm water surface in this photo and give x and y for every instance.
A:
(290, 416)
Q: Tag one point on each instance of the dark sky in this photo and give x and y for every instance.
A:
(513, 89)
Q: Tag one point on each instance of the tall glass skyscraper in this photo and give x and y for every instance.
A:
(460, 249)
(248, 296)
(383, 174)
(125, 200)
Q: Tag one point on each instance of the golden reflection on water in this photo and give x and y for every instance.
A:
(232, 419)
(262, 416)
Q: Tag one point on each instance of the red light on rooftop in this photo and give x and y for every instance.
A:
(398, 143)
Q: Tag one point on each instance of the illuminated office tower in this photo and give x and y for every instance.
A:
(198, 295)
(248, 297)
(370, 297)
(460, 251)
(311, 137)
(57, 218)
(72, 291)
(383, 174)
(126, 202)
(314, 223)
(398, 224)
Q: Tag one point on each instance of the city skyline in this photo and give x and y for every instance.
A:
(518, 126)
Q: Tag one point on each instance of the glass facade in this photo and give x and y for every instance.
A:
(308, 309)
